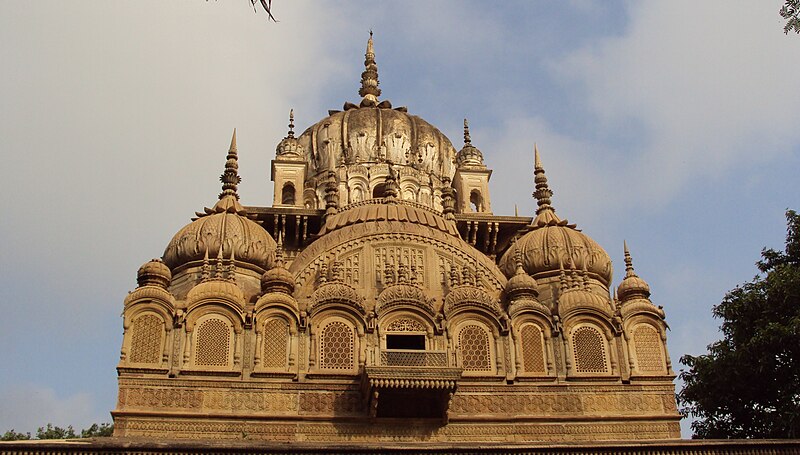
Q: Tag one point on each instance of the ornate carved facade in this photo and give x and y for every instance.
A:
(379, 299)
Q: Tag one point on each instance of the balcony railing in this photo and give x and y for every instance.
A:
(413, 358)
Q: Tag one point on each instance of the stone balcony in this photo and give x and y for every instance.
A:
(410, 384)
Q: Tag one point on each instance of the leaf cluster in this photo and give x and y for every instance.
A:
(790, 11)
(748, 384)
(55, 432)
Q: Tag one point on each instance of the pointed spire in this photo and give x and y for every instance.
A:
(206, 269)
(628, 261)
(467, 139)
(369, 78)
(543, 192)
(545, 213)
(291, 124)
(279, 251)
(230, 177)
(632, 286)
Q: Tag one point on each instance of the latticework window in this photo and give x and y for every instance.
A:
(336, 346)
(473, 344)
(405, 325)
(647, 343)
(276, 338)
(589, 350)
(212, 347)
(532, 349)
(146, 338)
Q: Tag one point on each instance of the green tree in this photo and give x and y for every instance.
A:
(95, 431)
(54, 432)
(12, 435)
(748, 384)
(790, 11)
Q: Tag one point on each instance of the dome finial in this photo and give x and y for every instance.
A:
(628, 261)
(291, 124)
(467, 139)
(545, 213)
(230, 177)
(543, 192)
(369, 78)
(279, 251)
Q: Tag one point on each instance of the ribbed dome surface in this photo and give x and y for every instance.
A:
(384, 210)
(234, 233)
(545, 249)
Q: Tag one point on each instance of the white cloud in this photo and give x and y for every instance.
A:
(711, 84)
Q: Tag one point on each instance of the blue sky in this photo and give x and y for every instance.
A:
(668, 124)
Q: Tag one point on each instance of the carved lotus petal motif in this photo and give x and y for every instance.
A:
(403, 294)
(470, 296)
(340, 293)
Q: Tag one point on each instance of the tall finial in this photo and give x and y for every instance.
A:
(369, 78)
(291, 123)
(467, 139)
(230, 177)
(628, 261)
(279, 251)
(543, 192)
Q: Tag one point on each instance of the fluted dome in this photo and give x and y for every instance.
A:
(576, 297)
(552, 242)
(226, 226)
(154, 273)
(374, 133)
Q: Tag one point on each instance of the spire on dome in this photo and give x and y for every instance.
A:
(632, 286)
(291, 124)
(545, 213)
(469, 155)
(228, 198)
(230, 177)
(628, 261)
(369, 78)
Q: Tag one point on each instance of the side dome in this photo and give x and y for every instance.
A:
(552, 242)
(226, 226)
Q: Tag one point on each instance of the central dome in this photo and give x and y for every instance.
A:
(372, 135)
(361, 141)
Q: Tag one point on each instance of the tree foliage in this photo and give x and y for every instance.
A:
(790, 11)
(13, 435)
(55, 432)
(748, 384)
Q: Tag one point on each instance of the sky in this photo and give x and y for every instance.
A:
(667, 124)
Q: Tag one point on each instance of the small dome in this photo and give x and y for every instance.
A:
(521, 284)
(278, 279)
(289, 149)
(226, 226)
(469, 155)
(577, 297)
(154, 273)
(632, 287)
(216, 289)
